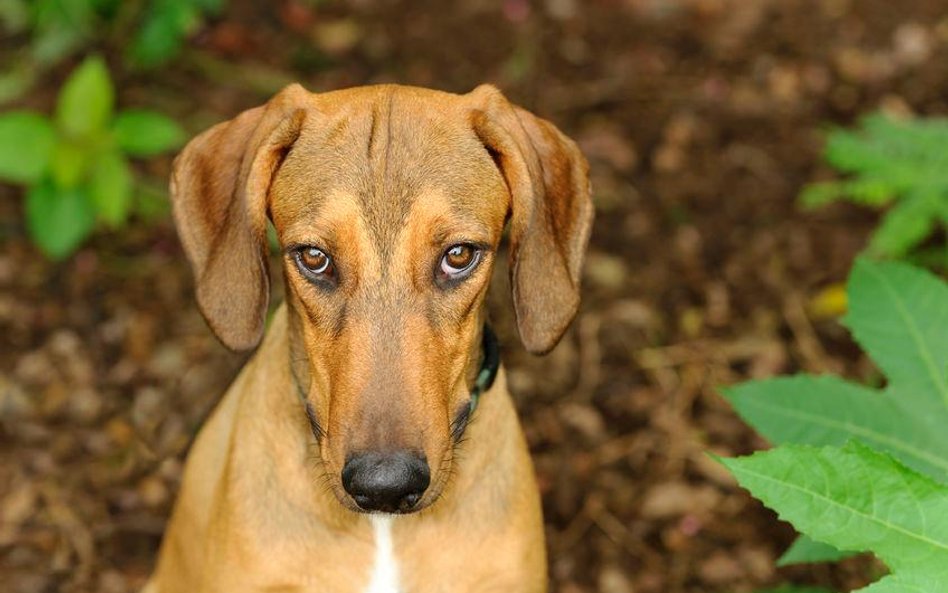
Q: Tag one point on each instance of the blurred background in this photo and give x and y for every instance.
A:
(702, 120)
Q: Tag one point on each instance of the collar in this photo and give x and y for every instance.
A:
(490, 364)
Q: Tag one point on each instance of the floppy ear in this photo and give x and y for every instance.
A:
(551, 214)
(219, 191)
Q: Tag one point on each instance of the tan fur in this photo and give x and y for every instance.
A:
(384, 179)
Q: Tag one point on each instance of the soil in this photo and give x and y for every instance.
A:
(702, 119)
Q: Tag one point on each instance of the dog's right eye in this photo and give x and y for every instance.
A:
(314, 263)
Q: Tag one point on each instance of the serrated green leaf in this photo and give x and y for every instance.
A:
(146, 133)
(855, 498)
(905, 225)
(26, 142)
(890, 159)
(110, 188)
(828, 410)
(899, 315)
(58, 220)
(86, 100)
(905, 584)
(870, 192)
(805, 550)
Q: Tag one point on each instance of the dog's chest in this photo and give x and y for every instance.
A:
(384, 575)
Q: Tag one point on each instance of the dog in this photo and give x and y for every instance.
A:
(370, 443)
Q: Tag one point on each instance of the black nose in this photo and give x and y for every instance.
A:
(386, 482)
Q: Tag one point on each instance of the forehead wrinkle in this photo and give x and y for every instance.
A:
(427, 147)
(387, 192)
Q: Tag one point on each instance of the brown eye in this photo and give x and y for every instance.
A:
(314, 263)
(459, 261)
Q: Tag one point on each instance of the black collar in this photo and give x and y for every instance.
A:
(490, 364)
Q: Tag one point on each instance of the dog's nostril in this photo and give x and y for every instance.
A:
(409, 502)
(390, 483)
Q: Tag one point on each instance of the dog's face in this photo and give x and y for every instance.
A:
(389, 204)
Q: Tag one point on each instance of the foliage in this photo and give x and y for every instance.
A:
(75, 165)
(859, 468)
(165, 26)
(151, 32)
(805, 550)
(902, 163)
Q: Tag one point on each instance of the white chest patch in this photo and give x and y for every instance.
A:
(385, 570)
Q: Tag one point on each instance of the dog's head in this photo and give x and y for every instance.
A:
(389, 204)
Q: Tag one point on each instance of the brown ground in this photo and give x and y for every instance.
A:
(701, 118)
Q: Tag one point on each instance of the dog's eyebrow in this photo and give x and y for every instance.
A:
(469, 232)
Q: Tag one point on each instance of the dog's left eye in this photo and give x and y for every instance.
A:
(314, 263)
(459, 261)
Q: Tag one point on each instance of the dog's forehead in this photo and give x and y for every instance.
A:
(387, 146)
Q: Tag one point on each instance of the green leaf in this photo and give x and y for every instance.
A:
(26, 142)
(110, 187)
(69, 164)
(855, 498)
(827, 410)
(903, 161)
(899, 315)
(905, 225)
(869, 192)
(58, 220)
(805, 550)
(905, 584)
(86, 100)
(146, 133)
(209, 6)
(167, 24)
(60, 27)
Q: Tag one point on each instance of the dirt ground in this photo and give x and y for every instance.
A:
(701, 119)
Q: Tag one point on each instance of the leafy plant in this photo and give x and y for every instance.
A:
(151, 31)
(888, 161)
(859, 468)
(165, 26)
(75, 165)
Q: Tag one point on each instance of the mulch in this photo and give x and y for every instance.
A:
(702, 119)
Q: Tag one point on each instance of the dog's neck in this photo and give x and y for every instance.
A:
(490, 363)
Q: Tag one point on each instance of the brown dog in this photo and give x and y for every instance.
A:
(335, 463)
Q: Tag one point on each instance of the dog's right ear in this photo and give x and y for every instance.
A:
(551, 214)
(219, 190)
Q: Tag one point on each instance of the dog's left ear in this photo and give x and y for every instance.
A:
(551, 214)
(219, 192)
